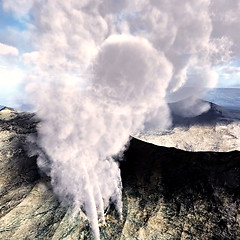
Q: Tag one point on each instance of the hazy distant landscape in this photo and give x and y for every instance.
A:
(226, 97)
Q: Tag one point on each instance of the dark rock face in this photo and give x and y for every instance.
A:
(184, 195)
(167, 193)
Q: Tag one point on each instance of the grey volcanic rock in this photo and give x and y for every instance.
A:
(182, 195)
(167, 193)
(216, 130)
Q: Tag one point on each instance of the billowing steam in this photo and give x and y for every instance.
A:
(103, 70)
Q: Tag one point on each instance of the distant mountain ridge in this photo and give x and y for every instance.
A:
(217, 130)
(225, 97)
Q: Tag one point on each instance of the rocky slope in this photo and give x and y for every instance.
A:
(216, 130)
(167, 193)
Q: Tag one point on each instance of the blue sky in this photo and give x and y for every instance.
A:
(229, 76)
(8, 20)
(13, 32)
(12, 69)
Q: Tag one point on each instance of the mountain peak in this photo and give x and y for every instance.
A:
(217, 130)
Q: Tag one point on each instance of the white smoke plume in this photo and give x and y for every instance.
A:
(103, 70)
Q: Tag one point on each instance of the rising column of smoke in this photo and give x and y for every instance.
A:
(105, 70)
(86, 122)
(83, 127)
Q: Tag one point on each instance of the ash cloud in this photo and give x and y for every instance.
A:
(103, 70)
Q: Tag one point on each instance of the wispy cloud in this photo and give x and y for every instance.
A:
(8, 50)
